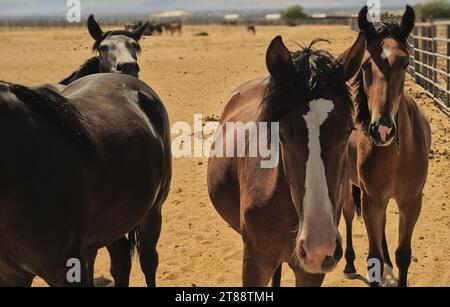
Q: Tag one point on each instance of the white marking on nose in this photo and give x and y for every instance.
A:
(386, 53)
(317, 206)
(384, 131)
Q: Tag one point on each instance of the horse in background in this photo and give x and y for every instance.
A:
(173, 28)
(117, 52)
(251, 29)
(389, 149)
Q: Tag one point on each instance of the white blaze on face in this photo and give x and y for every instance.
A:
(316, 202)
(386, 53)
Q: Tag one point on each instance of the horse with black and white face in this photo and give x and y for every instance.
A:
(117, 52)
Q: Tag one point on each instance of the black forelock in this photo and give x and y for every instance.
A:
(315, 71)
(390, 29)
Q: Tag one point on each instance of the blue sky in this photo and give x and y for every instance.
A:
(58, 7)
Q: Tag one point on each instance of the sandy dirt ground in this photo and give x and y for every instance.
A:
(195, 75)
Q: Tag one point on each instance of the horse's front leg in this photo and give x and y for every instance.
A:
(373, 213)
(257, 269)
(409, 212)
(307, 280)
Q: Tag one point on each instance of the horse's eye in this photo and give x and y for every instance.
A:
(103, 48)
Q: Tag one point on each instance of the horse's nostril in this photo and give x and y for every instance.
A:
(128, 68)
(303, 254)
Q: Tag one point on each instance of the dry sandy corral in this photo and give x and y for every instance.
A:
(195, 75)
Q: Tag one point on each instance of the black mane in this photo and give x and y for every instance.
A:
(90, 67)
(59, 111)
(315, 71)
(362, 105)
(390, 29)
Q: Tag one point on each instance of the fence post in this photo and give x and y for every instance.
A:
(429, 60)
(435, 61)
(448, 66)
(416, 54)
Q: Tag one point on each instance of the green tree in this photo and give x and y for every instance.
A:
(293, 13)
(434, 8)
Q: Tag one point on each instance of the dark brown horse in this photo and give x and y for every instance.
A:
(390, 148)
(290, 212)
(251, 29)
(173, 28)
(117, 52)
(80, 168)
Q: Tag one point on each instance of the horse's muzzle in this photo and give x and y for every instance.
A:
(383, 132)
(129, 68)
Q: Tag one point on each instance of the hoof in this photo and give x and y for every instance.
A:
(351, 276)
(389, 279)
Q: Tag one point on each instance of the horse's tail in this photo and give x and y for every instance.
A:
(276, 279)
(356, 194)
(135, 241)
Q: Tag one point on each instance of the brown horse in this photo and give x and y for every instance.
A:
(80, 168)
(390, 148)
(173, 28)
(290, 212)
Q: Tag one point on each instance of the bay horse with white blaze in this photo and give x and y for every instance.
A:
(117, 52)
(290, 213)
(390, 148)
(80, 168)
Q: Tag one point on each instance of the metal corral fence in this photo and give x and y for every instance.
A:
(430, 60)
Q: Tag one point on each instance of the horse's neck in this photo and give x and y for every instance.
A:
(90, 67)
(408, 123)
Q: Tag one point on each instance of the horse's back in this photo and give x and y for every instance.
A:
(130, 127)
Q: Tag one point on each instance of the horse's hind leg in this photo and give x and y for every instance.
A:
(276, 279)
(120, 253)
(149, 232)
(90, 259)
(409, 214)
(349, 215)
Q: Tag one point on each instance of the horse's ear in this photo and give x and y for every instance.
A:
(139, 32)
(408, 21)
(364, 23)
(94, 28)
(350, 61)
(279, 59)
